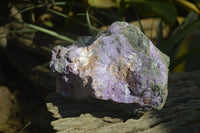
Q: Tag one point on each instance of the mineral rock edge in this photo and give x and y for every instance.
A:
(121, 65)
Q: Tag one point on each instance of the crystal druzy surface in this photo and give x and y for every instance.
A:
(121, 65)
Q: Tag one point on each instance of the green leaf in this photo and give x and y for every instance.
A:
(37, 6)
(108, 14)
(50, 32)
(138, 18)
(49, 24)
(185, 57)
(159, 35)
(104, 3)
(74, 20)
(191, 17)
(162, 9)
(89, 23)
(168, 44)
(165, 10)
(93, 18)
(188, 5)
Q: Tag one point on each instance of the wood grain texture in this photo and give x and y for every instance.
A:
(181, 114)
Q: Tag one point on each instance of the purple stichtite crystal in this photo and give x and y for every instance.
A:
(121, 65)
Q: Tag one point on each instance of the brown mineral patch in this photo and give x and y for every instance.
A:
(119, 71)
(146, 101)
(91, 64)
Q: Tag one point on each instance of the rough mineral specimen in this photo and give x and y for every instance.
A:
(121, 65)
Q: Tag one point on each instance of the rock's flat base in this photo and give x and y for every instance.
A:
(180, 114)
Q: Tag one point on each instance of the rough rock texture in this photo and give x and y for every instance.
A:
(181, 113)
(121, 65)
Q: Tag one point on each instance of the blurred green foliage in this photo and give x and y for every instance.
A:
(72, 19)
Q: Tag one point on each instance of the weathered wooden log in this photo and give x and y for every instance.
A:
(180, 114)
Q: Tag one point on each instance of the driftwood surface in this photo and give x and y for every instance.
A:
(180, 114)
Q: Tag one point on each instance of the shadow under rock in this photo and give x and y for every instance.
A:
(70, 107)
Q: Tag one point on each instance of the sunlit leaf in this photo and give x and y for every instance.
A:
(104, 3)
(163, 9)
(188, 5)
(49, 24)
